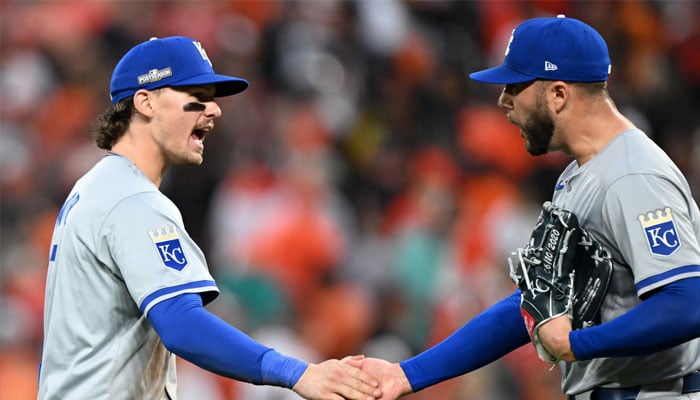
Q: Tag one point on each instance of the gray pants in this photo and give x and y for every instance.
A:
(669, 390)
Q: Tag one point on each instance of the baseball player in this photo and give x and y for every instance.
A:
(626, 193)
(126, 285)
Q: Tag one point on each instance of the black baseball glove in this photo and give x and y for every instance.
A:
(563, 270)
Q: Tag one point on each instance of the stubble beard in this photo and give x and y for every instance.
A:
(538, 130)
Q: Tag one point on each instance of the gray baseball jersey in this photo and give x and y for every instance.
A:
(119, 247)
(634, 199)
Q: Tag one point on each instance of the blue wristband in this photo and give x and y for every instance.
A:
(280, 370)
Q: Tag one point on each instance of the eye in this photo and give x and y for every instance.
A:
(514, 89)
(204, 96)
(201, 93)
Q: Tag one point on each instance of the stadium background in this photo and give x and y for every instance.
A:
(360, 197)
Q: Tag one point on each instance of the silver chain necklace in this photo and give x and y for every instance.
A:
(112, 153)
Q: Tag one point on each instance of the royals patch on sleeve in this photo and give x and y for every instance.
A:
(169, 247)
(661, 234)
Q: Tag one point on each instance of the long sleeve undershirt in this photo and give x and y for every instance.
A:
(193, 333)
(666, 318)
(486, 338)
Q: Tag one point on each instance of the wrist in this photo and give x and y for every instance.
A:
(280, 370)
(404, 384)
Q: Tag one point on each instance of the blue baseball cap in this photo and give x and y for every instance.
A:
(560, 49)
(170, 61)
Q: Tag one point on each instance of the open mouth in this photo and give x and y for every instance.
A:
(201, 133)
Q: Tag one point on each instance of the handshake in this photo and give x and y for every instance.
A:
(353, 377)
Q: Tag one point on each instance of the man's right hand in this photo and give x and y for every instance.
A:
(338, 380)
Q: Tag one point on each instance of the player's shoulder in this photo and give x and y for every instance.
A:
(116, 176)
(636, 143)
(633, 162)
(110, 181)
(633, 152)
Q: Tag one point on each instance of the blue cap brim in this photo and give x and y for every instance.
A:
(500, 75)
(225, 85)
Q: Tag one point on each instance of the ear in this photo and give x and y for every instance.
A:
(143, 102)
(559, 93)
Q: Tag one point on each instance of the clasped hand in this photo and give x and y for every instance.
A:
(554, 335)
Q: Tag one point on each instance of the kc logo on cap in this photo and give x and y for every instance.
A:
(558, 48)
(172, 61)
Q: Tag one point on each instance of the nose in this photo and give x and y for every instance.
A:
(213, 110)
(505, 101)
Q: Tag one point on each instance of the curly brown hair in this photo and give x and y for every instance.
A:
(112, 123)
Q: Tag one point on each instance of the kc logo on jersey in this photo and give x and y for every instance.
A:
(169, 248)
(661, 233)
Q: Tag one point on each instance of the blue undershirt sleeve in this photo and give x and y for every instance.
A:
(489, 336)
(193, 333)
(666, 318)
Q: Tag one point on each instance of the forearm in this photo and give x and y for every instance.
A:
(195, 334)
(486, 338)
(665, 319)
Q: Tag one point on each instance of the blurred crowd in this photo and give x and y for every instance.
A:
(361, 196)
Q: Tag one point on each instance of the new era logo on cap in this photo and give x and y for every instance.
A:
(554, 49)
(171, 61)
(549, 66)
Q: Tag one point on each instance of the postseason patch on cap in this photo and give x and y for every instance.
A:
(154, 75)
(169, 248)
(661, 234)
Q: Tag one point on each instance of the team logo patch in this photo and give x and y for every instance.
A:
(169, 247)
(661, 234)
